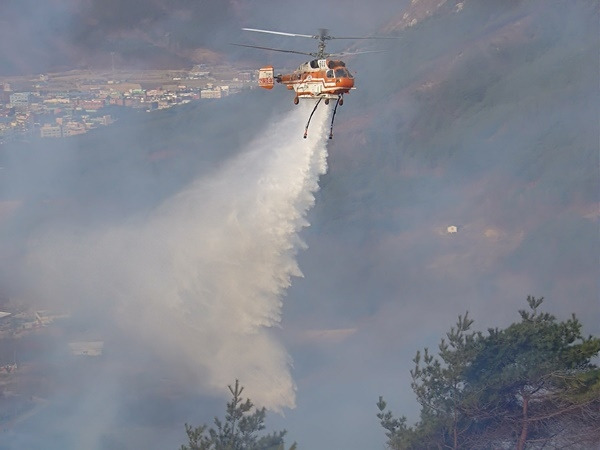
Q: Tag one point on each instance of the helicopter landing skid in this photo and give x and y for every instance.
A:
(340, 101)
(311, 114)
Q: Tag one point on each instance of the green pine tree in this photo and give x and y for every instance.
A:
(531, 384)
(239, 431)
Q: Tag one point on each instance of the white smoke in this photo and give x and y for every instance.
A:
(200, 281)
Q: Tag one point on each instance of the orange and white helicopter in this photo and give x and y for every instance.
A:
(322, 78)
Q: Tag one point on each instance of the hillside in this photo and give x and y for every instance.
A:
(486, 119)
(65, 34)
(489, 122)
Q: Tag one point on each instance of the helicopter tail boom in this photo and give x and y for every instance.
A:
(265, 77)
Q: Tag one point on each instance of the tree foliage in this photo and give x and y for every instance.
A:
(239, 430)
(531, 385)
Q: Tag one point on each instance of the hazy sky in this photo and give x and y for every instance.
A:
(62, 34)
(312, 270)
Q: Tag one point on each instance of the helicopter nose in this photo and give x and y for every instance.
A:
(346, 82)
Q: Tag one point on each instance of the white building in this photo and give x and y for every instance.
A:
(51, 131)
(20, 99)
(211, 93)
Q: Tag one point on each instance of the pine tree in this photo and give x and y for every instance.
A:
(529, 385)
(534, 382)
(239, 430)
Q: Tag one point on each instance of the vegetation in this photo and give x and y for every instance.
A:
(531, 385)
(239, 431)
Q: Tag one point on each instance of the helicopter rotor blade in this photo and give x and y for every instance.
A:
(343, 54)
(364, 37)
(323, 34)
(281, 33)
(322, 37)
(274, 49)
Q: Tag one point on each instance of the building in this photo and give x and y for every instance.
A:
(105, 120)
(199, 71)
(244, 76)
(20, 99)
(51, 131)
(5, 93)
(92, 105)
(211, 93)
(73, 128)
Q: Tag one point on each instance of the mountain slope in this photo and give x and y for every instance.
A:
(63, 34)
(485, 118)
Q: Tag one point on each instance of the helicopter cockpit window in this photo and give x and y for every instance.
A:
(329, 73)
(339, 73)
(332, 64)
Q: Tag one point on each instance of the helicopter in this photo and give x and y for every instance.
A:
(321, 78)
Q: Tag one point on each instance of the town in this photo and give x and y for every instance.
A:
(60, 105)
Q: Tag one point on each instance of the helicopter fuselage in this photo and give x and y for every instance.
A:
(318, 78)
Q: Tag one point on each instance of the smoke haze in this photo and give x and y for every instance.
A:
(201, 279)
(175, 240)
